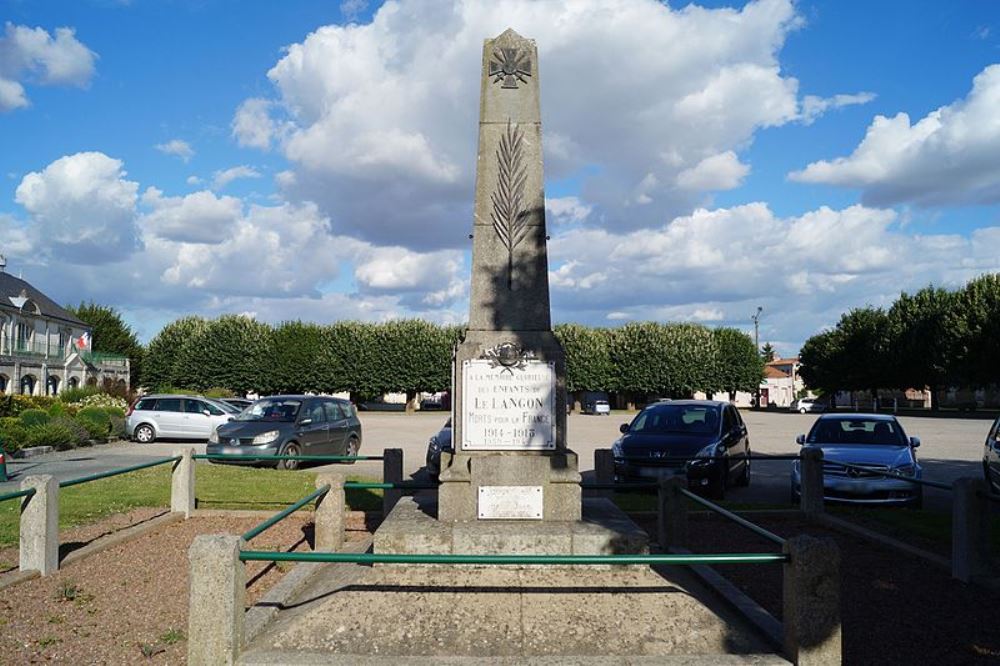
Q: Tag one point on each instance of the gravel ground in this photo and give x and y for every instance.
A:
(127, 604)
(896, 609)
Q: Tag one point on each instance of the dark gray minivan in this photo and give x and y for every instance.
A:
(290, 425)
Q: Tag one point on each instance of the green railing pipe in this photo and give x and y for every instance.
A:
(27, 492)
(387, 558)
(891, 475)
(373, 485)
(250, 456)
(116, 472)
(743, 522)
(681, 459)
(281, 515)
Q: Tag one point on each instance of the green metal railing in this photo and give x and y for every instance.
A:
(377, 485)
(890, 475)
(743, 522)
(27, 492)
(104, 358)
(387, 558)
(666, 460)
(250, 456)
(116, 472)
(284, 513)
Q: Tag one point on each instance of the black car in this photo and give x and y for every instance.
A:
(710, 433)
(238, 403)
(290, 425)
(438, 443)
(991, 457)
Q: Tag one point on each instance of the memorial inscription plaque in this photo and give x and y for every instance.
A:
(510, 502)
(508, 408)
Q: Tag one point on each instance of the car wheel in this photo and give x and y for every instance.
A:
(717, 488)
(144, 434)
(352, 448)
(744, 479)
(802, 410)
(291, 449)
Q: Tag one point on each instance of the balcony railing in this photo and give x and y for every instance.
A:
(104, 359)
(37, 349)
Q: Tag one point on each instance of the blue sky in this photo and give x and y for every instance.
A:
(316, 160)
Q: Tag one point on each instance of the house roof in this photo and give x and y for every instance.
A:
(771, 372)
(11, 286)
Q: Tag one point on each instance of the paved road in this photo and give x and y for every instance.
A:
(950, 448)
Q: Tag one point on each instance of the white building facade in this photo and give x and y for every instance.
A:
(44, 349)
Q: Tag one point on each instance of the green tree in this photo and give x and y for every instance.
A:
(111, 335)
(767, 352)
(738, 366)
(977, 354)
(589, 366)
(865, 342)
(229, 352)
(297, 361)
(163, 353)
(820, 357)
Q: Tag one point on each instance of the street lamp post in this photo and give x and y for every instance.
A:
(756, 346)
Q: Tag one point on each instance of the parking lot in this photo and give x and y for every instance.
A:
(950, 448)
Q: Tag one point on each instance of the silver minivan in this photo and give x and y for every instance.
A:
(175, 417)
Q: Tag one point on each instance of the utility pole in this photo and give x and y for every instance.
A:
(756, 327)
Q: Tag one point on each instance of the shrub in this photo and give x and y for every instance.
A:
(218, 392)
(51, 434)
(95, 420)
(34, 417)
(77, 394)
(13, 405)
(103, 400)
(117, 427)
(13, 434)
(57, 409)
(80, 433)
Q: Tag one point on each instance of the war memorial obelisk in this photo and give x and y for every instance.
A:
(511, 484)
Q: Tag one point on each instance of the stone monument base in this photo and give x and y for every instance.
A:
(412, 529)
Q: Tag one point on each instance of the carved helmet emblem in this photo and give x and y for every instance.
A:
(510, 66)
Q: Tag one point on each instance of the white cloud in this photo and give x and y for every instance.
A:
(716, 172)
(178, 148)
(379, 120)
(222, 178)
(193, 180)
(351, 9)
(33, 55)
(82, 208)
(201, 217)
(566, 210)
(947, 157)
(813, 107)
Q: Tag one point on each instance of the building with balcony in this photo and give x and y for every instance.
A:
(44, 349)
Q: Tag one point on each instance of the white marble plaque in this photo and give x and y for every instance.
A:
(510, 502)
(508, 409)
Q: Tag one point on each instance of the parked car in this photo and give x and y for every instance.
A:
(239, 403)
(154, 417)
(709, 431)
(290, 425)
(991, 457)
(874, 442)
(597, 407)
(438, 443)
(804, 405)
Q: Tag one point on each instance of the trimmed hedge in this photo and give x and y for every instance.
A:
(34, 417)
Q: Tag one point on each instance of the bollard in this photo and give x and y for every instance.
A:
(182, 483)
(39, 549)
(216, 600)
(811, 478)
(811, 601)
(604, 470)
(970, 529)
(671, 514)
(392, 472)
(330, 519)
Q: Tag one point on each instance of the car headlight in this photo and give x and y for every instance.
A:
(213, 437)
(434, 444)
(906, 470)
(617, 451)
(710, 451)
(266, 437)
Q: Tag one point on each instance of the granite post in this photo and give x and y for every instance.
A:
(217, 598)
(671, 515)
(182, 482)
(330, 519)
(39, 549)
(508, 373)
(392, 472)
(811, 601)
(811, 480)
(970, 529)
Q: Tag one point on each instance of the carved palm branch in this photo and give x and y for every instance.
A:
(509, 216)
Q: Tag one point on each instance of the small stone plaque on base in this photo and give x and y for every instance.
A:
(510, 502)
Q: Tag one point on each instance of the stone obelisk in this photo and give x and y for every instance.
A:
(509, 398)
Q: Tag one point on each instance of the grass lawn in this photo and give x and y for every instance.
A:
(218, 487)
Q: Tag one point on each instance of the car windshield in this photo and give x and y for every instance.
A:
(271, 410)
(226, 407)
(880, 432)
(673, 418)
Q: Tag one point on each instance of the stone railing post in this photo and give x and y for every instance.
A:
(604, 470)
(811, 477)
(811, 601)
(970, 529)
(392, 472)
(330, 516)
(217, 600)
(671, 514)
(40, 525)
(182, 483)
